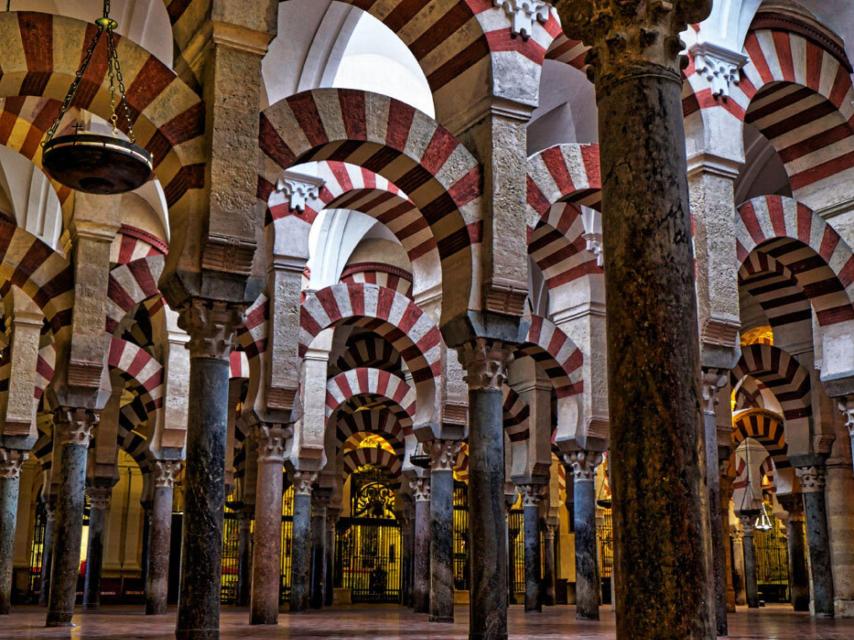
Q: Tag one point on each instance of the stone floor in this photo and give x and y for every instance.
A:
(391, 622)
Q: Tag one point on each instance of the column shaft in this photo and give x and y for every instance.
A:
(815, 513)
(750, 586)
(244, 557)
(421, 595)
(328, 585)
(587, 585)
(318, 554)
(799, 580)
(301, 545)
(549, 566)
(442, 544)
(531, 515)
(10, 482)
(47, 551)
(160, 538)
(99, 510)
(738, 566)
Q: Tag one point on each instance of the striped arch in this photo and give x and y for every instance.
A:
(40, 272)
(775, 288)
(133, 244)
(139, 366)
(563, 173)
(375, 456)
(572, 52)
(812, 252)
(558, 246)
(129, 285)
(767, 429)
(252, 335)
(406, 147)
(41, 55)
(753, 394)
(381, 421)
(381, 274)
(369, 350)
(783, 375)
(516, 415)
(238, 365)
(461, 464)
(131, 417)
(369, 402)
(556, 353)
(371, 382)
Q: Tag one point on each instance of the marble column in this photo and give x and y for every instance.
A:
(512, 533)
(319, 500)
(244, 555)
(485, 362)
(532, 495)
(10, 481)
(653, 355)
(267, 548)
(99, 514)
(443, 454)
(840, 524)
(421, 547)
(47, 550)
(799, 580)
(737, 537)
(331, 527)
(210, 326)
(301, 545)
(726, 481)
(549, 574)
(407, 543)
(751, 588)
(582, 465)
(813, 480)
(160, 536)
(73, 432)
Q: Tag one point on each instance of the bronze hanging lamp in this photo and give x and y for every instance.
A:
(91, 162)
(420, 457)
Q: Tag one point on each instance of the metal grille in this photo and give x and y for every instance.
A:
(605, 542)
(516, 522)
(461, 537)
(287, 544)
(772, 564)
(230, 547)
(37, 552)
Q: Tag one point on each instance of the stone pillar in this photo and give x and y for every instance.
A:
(532, 495)
(421, 547)
(840, 524)
(320, 499)
(485, 362)
(160, 536)
(210, 326)
(301, 545)
(726, 481)
(244, 555)
(799, 581)
(99, 514)
(10, 481)
(407, 542)
(549, 574)
(737, 538)
(267, 547)
(74, 430)
(748, 518)
(511, 533)
(653, 356)
(443, 454)
(47, 549)
(813, 480)
(582, 465)
(331, 527)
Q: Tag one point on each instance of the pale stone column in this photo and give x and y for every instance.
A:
(840, 524)
(10, 481)
(738, 565)
(662, 561)
(267, 548)
(244, 555)
(160, 536)
(443, 454)
(581, 467)
(301, 545)
(799, 580)
(211, 326)
(726, 481)
(549, 572)
(485, 362)
(99, 515)
(421, 590)
(71, 440)
(846, 406)
(748, 518)
(813, 476)
(532, 495)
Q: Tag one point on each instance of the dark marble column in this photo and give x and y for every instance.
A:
(406, 535)
(511, 535)
(160, 536)
(319, 501)
(244, 555)
(581, 467)
(301, 545)
(748, 518)
(813, 480)
(331, 527)
(799, 580)
(10, 481)
(485, 362)
(99, 514)
(443, 454)
(210, 326)
(549, 573)
(653, 354)
(532, 494)
(74, 430)
(47, 550)
(726, 481)
(267, 548)
(421, 547)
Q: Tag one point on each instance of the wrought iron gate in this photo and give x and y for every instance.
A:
(37, 552)
(287, 544)
(230, 550)
(368, 544)
(516, 526)
(461, 537)
(772, 564)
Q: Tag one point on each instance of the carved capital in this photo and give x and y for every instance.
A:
(523, 14)
(583, 464)
(211, 325)
(271, 439)
(74, 426)
(813, 478)
(713, 381)
(485, 362)
(632, 37)
(736, 534)
(532, 494)
(99, 497)
(747, 520)
(303, 481)
(11, 461)
(299, 189)
(720, 67)
(166, 472)
(420, 488)
(443, 454)
(846, 406)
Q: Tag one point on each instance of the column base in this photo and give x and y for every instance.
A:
(59, 620)
(197, 634)
(443, 619)
(843, 608)
(264, 619)
(582, 615)
(155, 611)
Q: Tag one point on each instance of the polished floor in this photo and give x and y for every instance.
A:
(390, 623)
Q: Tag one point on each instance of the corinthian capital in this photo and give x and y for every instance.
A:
(210, 325)
(626, 33)
(713, 381)
(166, 472)
(420, 489)
(813, 478)
(303, 481)
(583, 464)
(74, 426)
(846, 406)
(271, 439)
(11, 461)
(443, 454)
(532, 494)
(485, 362)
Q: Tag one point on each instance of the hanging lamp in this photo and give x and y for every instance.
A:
(420, 457)
(91, 162)
(763, 522)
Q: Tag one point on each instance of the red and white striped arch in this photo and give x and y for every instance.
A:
(563, 173)
(132, 243)
(252, 335)
(375, 456)
(140, 366)
(369, 350)
(767, 429)
(557, 245)
(372, 382)
(516, 415)
(815, 255)
(556, 353)
(774, 287)
(381, 421)
(129, 285)
(379, 273)
(408, 148)
(238, 365)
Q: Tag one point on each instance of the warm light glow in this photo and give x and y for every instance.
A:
(373, 441)
(758, 335)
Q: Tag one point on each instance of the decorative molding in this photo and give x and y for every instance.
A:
(523, 13)
(485, 362)
(420, 488)
(443, 454)
(75, 426)
(11, 461)
(592, 221)
(226, 254)
(846, 406)
(736, 534)
(99, 497)
(583, 464)
(719, 66)
(532, 494)
(813, 478)
(211, 325)
(271, 440)
(748, 520)
(299, 189)
(166, 472)
(303, 481)
(713, 381)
